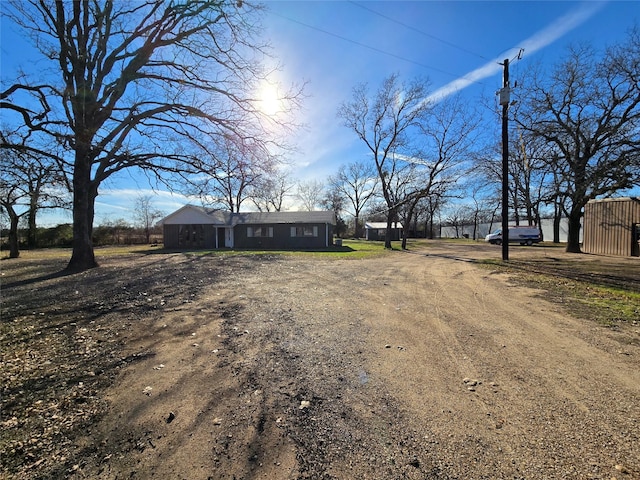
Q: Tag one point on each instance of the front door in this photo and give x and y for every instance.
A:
(228, 237)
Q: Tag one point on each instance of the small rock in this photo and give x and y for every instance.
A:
(171, 417)
(217, 421)
(304, 404)
(621, 468)
(387, 346)
(147, 391)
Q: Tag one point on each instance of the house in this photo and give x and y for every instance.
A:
(197, 227)
(378, 230)
(612, 227)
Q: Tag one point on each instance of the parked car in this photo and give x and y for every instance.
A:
(521, 235)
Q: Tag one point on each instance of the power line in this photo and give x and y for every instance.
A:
(446, 42)
(360, 44)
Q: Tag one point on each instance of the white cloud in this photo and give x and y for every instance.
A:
(537, 41)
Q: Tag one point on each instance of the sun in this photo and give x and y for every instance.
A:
(270, 102)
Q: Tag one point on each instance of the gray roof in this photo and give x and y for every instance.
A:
(283, 217)
(248, 218)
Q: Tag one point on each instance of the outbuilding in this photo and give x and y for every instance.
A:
(197, 227)
(612, 227)
(378, 230)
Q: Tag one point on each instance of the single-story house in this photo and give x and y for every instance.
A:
(612, 227)
(378, 230)
(197, 227)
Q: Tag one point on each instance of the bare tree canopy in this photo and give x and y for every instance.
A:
(383, 122)
(357, 182)
(146, 215)
(417, 147)
(28, 183)
(268, 193)
(310, 194)
(132, 83)
(234, 169)
(588, 110)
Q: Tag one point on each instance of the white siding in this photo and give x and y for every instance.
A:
(188, 216)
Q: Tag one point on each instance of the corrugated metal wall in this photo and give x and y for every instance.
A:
(611, 226)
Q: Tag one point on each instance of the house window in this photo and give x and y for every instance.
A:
(259, 231)
(304, 231)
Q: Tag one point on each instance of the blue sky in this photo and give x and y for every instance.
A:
(334, 45)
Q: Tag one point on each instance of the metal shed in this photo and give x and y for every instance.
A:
(612, 227)
(378, 230)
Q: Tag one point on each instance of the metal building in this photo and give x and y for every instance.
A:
(612, 227)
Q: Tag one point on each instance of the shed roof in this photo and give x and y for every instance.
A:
(377, 225)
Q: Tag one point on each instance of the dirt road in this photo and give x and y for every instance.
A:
(414, 365)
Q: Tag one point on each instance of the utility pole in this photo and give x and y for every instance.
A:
(504, 101)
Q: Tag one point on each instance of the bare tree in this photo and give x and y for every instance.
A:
(269, 192)
(334, 200)
(28, 184)
(235, 168)
(146, 215)
(310, 194)
(448, 134)
(588, 109)
(384, 122)
(132, 82)
(357, 182)
(458, 217)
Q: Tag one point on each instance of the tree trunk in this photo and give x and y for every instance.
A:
(573, 241)
(14, 251)
(357, 230)
(557, 218)
(538, 222)
(32, 241)
(31, 229)
(84, 196)
(387, 235)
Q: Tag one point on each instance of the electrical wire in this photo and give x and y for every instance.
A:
(409, 27)
(360, 44)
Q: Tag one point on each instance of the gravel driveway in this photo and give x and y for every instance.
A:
(413, 365)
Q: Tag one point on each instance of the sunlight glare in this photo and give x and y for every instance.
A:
(270, 102)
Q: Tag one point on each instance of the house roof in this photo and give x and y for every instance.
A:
(218, 217)
(377, 225)
(284, 217)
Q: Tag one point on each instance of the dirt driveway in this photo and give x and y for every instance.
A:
(415, 365)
